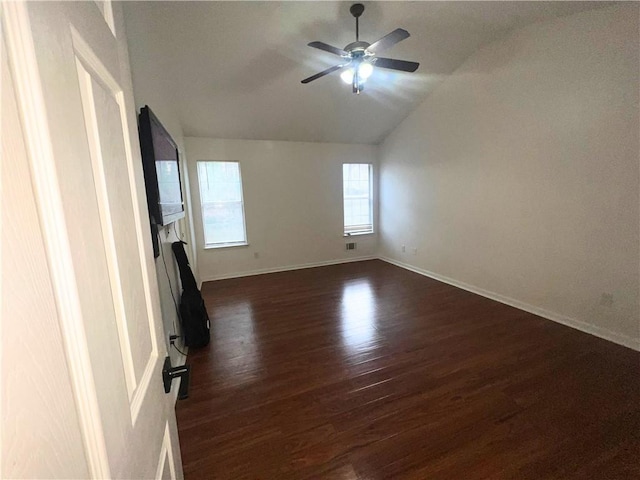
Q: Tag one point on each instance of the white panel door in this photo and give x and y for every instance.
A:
(71, 68)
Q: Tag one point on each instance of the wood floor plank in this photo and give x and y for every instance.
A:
(368, 371)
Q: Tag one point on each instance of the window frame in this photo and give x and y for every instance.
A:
(371, 203)
(242, 243)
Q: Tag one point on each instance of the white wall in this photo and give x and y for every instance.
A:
(519, 175)
(149, 89)
(293, 204)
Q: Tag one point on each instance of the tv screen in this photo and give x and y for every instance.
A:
(160, 161)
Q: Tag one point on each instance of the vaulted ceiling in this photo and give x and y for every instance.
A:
(233, 69)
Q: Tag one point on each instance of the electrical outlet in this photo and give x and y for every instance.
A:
(172, 339)
(403, 248)
(256, 254)
(414, 251)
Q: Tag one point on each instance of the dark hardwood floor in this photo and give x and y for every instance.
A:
(368, 371)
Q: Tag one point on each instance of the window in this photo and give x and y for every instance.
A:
(222, 204)
(358, 198)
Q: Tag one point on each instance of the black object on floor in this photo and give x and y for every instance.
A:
(193, 313)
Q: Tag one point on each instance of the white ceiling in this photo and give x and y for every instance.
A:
(233, 69)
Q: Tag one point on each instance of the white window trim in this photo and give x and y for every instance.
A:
(245, 242)
(367, 231)
(357, 234)
(225, 245)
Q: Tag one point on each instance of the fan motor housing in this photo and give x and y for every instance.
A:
(357, 47)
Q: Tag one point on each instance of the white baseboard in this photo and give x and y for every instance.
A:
(604, 333)
(287, 268)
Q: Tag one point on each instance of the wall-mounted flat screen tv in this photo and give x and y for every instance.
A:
(160, 161)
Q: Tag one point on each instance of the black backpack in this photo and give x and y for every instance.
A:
(193, 313)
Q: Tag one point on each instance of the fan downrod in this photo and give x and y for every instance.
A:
(356, 10)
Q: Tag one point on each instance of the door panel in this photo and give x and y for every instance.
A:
(166, 467)
(103, 118)
(37, 394)
(106, 9)
(96, 184)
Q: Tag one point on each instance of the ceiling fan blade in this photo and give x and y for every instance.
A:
(388, 40)
(393, 64)
(328, 48)
(323, 73)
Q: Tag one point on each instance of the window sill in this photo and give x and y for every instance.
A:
(226, 245)
(357, 234)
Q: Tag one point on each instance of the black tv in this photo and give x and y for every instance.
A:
(160, 161)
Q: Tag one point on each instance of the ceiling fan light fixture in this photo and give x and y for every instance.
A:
(347, 76)
(359, 57)
(365, 70)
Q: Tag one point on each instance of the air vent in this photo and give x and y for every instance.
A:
(351, 246)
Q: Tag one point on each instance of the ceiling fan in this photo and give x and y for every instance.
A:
(359, 58)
